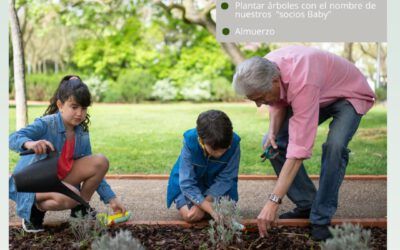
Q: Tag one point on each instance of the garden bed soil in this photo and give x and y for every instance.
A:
(177, 237)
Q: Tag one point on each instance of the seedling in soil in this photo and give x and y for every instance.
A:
(21, 233)
(348, 236)
(226, 229)
(172, 237)
(123, 240)
(86, 229)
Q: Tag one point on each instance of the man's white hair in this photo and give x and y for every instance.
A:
(254, 75)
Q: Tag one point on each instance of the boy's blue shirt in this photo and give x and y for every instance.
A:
(196, 175)
(50, 128)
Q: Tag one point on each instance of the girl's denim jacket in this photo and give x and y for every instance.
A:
(50, 128)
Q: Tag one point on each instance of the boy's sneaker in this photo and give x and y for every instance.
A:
(83, 211)
(35, 223)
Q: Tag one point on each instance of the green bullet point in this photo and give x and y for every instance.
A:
(225, 31)
(224, 5)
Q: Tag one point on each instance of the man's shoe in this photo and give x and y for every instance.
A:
(83, 211)
(320, 232)
(35, 223)
(296, 214)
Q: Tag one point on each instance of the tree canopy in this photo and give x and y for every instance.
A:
(126, 50)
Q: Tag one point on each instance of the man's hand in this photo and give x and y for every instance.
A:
(270, 141)
(276, 118)
(266, 218)
(117, 206)
(39, 147)
(267, 215)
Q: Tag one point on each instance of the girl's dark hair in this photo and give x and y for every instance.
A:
(71, 86)
(215, 129)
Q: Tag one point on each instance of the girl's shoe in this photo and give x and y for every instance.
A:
(35, 223)
(83, 211)
(31, 228)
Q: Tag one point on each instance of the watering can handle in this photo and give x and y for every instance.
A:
(27, 152)
(31, 151)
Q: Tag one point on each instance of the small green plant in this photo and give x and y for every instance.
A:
(86, 229)
(226, 229)
(20, 233)
(349, 237)
(123, 240)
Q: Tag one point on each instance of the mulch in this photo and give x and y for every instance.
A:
(176, 237)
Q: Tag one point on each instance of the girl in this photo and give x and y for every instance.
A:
(64, 127)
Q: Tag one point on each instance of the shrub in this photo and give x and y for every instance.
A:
(123, 240)
(41, 87)
(164, 90)
(86, 229)
(221, 90)
(348, 236)
(197, 91)
(381, 94)
(112, 93)
(226, 229)
(97, 88)
(131, 86)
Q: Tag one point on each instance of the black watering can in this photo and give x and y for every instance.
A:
(41, 177)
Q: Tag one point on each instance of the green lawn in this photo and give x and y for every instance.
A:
(146, 138)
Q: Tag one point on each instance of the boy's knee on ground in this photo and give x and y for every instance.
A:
(197, 216)
(193, 219)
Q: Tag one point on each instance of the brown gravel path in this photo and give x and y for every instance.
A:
(146, 200)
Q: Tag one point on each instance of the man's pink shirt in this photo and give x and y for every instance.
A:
(312, 79)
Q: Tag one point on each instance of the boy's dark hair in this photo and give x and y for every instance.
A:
(215, 129)
(71, 86)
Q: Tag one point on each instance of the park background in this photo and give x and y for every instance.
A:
(152, 67)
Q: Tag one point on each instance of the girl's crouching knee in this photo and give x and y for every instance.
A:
(71, 203)
(101, 162)
(65, 203)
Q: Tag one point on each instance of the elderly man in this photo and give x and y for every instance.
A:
(304, 87)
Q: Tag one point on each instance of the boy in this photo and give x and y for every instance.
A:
(207, 167)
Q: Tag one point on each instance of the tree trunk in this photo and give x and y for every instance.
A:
(45, 66)
(231, 49)
(203, 18)
(233, 52)
(348, 51)
(378, 65)
(19, 70)
(29, 67)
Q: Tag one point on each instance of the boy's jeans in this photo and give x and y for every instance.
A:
(335, 156)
